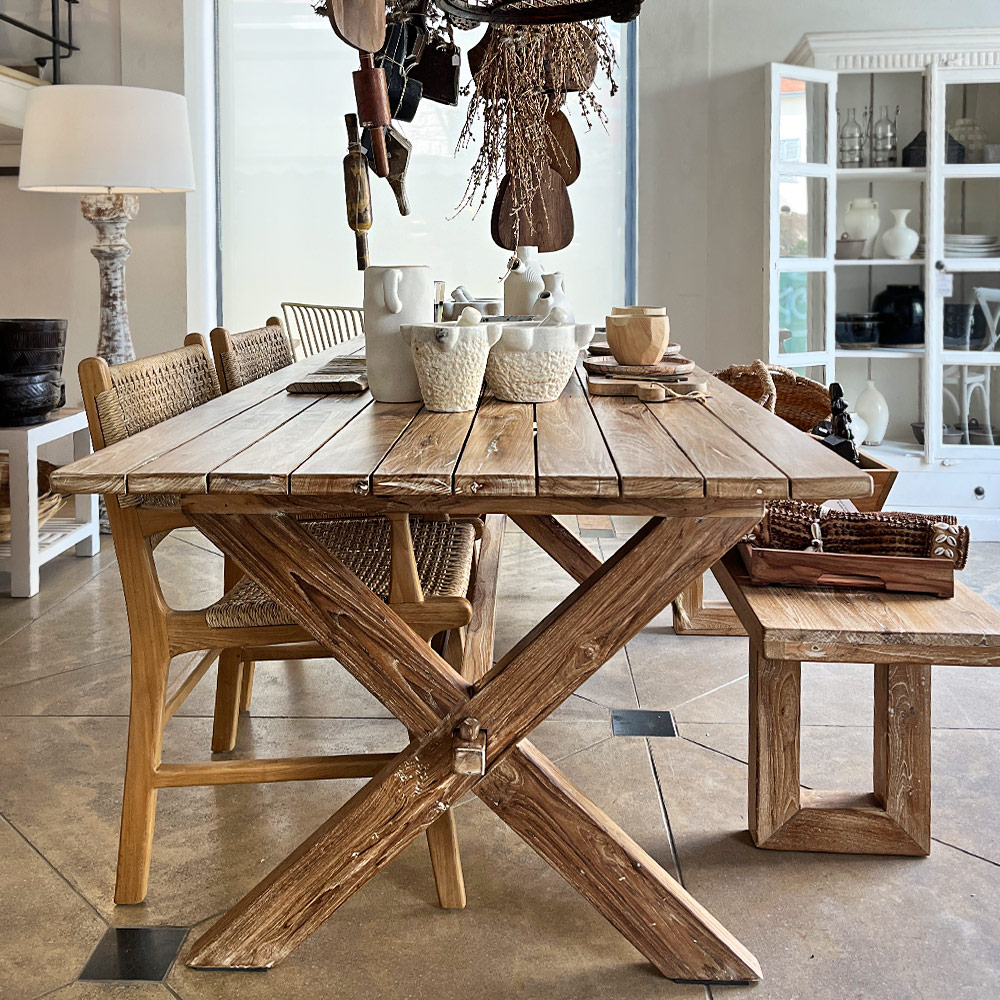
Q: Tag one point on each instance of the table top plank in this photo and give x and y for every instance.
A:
(648, 460)
(424, 458)
(186, 469)
(106, 470)
(573, 457)
(730, 467)
(265, 467)
(813, 470)
(499, 455)
(345, 464)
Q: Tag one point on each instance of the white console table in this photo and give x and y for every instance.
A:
(30, 547)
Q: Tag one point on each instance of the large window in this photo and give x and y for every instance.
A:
(284, 88)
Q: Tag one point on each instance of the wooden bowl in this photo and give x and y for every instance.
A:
(639, 311)
(637, 339)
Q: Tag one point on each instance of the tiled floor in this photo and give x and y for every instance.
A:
(822, 926)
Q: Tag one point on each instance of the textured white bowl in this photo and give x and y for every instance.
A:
(532, 364)
(450, 361)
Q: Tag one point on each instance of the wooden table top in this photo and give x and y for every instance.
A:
(612, 453)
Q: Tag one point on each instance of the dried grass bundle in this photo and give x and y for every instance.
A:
(525, 76)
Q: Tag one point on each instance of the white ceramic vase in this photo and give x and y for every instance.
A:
(900, 241)
(862, 221)
(450, 360)
(554, 297)
(874, 411)
(394, 296)
(524, 283)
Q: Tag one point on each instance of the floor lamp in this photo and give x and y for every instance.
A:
(108, 144)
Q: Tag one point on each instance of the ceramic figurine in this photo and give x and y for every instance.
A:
(862, 221)
(450, 360)
(554, 297)
(900, 241)
(524, 282)
(394, 296)
(532, 363)
(874, 410)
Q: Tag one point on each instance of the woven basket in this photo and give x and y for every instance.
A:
(754, 381)
(788, 525)
(799, 400)
(49, 501)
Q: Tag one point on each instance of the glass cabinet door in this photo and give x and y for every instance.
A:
(963, 306)
(801, 136)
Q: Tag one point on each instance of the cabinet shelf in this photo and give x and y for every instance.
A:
(970, 171)
(881, 173)
(881, 262)
(879, 352)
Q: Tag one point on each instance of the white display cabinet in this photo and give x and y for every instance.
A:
(948, 379)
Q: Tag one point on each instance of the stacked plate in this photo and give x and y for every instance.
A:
(966, 245)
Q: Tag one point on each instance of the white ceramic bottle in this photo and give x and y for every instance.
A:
(900, 241)
(874, 410)
(394, 296)
(862, 221)
(523, 284)
(554, 297)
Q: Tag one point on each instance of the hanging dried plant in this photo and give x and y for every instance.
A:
(522, 78)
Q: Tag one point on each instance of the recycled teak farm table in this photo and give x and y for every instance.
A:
(248, 462)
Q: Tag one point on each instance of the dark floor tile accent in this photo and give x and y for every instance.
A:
(134, 953)
(639, 722)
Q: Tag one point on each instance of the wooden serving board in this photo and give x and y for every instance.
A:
(600, 348)
(360, 23)
(607, 366)
(907, 574)
(547, 223)
(648, 392)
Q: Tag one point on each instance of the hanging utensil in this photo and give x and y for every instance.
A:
(373, 108)
(357, 191)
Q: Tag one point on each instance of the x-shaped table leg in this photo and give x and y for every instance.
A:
(527, 791)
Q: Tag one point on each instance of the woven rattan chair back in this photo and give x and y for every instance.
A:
(241, 358)
(315, 328)
(801, 401)
(754, 381)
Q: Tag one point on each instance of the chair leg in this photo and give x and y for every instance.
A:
(150, 665)
(246, 688)
(227, 701)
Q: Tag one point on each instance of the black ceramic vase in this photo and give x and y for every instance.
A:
(31, 361)
(901, 315)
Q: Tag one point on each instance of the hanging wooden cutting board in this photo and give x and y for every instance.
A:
(563, 151)
(360, 23)
(547, 224)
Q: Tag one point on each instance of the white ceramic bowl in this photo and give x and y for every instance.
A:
(450, 360)
(532, 363)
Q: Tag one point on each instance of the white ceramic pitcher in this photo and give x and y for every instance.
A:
(394, 296)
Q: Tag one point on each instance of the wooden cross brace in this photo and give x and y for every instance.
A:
(520, 785)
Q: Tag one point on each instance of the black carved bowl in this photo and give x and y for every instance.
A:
(27, 399)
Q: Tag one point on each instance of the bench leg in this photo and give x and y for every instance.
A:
(894, 819)
(693, 616)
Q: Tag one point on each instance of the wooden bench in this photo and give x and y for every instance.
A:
(902, 635)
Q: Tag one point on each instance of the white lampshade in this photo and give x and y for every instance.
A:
(97, 139)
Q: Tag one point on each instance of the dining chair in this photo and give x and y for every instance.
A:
(425, 572)
(241, 358)
(959, 384)
(316, 328)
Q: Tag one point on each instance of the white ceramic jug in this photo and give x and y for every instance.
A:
(862, 221)
(394, 296)
(524, 283)
(900, 241)
(554, 297)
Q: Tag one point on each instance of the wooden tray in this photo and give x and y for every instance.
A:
(908, 574)
(608, 366)
(600, 348)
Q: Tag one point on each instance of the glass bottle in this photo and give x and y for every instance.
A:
(852, 142)
(884, 152)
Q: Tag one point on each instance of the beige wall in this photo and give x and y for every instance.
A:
(45, 263)
(701, 159)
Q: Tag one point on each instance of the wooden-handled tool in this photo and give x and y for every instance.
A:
(373, 108)
(357, 191)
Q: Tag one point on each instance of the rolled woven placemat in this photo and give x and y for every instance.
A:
(788, 524)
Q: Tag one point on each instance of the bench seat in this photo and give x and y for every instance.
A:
(902, 635)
